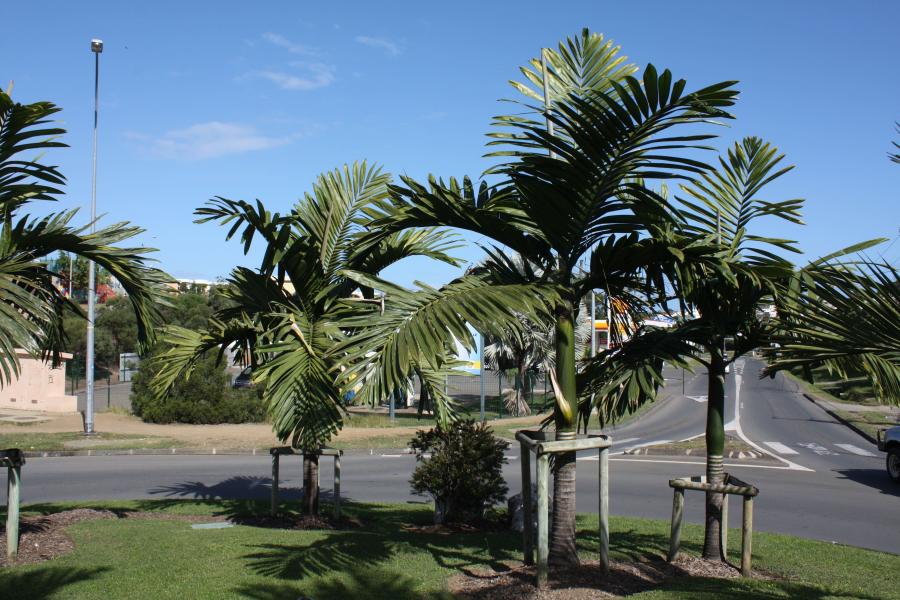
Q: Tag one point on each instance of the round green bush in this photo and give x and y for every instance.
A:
(460, 466)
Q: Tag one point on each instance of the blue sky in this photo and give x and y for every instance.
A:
(252, 100)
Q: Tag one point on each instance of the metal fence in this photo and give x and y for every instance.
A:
(500, 391)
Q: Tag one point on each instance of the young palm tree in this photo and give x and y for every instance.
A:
(531, 346)
(283, 316)
(31, 306)
(726, 202)
(608, 133)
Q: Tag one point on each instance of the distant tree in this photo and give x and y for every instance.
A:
(60, 266)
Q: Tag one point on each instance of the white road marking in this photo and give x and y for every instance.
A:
(393, 455)
(735, 424)
(818, 449)
(780, 448)
(703, 464)
(854, 449)
(698, 398)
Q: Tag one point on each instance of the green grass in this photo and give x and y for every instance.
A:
(167, 559)
(77, 441)
(869, 421)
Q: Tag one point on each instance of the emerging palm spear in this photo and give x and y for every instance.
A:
(283, 317)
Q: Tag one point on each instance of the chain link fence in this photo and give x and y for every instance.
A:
(505, 394)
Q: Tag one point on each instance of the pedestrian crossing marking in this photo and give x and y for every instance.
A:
(853, 449)
(698, 398)
(780, 448)
(818, 449)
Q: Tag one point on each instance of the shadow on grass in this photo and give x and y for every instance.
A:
(387, 533)
(42, 582)
(743, 589)
(353, 583)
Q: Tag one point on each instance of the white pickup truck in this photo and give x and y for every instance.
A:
(889, 441)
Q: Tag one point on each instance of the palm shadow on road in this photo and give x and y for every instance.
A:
(235, 497)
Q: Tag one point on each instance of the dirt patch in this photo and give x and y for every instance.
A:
(43, 538)
(585, 581)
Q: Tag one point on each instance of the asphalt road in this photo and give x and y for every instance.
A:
(817, 482)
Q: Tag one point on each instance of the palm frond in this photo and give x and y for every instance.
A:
(726, 201)
(847, 319)
(419, 325)
(618, 381)
(600, 147)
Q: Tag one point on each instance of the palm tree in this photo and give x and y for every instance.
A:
(283, 316)
(530, 347)
(726, 202)
(607, 132)
(31, 306)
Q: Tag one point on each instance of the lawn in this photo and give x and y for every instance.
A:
(36, 441)
(386, 559)
(869, 421)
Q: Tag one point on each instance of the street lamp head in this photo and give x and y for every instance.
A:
(97, 46)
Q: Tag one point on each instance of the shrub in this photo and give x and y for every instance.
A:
(205, 398)
(464, 471)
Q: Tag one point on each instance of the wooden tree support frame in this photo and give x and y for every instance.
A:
(280, 451)
(732, 486)
(543, 445)
(13, 459)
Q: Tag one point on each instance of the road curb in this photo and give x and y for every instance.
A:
(824, 405)
(187, 452)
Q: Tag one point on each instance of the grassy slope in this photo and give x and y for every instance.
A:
(156, 559)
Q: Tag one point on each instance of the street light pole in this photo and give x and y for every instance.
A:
(96, 48)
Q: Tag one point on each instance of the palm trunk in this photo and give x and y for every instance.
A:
(524, 409)
(562, 531)
(715, 448)
(311, 484)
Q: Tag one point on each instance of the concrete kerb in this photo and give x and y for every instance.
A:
(263, 451)
(826, 406)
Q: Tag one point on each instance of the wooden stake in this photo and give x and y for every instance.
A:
(337, 486)
(528, 528)
(747, 536)
(274, 504)
(724, 527)
(604, 509)
(14, 476)
(677, 516)
(543, 542)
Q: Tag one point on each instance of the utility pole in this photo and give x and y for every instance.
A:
(96, 48)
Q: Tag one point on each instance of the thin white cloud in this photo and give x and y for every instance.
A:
(312, 76)
(390, 48)
(207, 140)
(292, 47)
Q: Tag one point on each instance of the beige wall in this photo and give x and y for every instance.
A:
(39, 387)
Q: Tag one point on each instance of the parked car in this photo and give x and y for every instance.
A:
(244, 379)
(889, 441)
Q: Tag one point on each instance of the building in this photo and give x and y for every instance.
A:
(39, 386)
